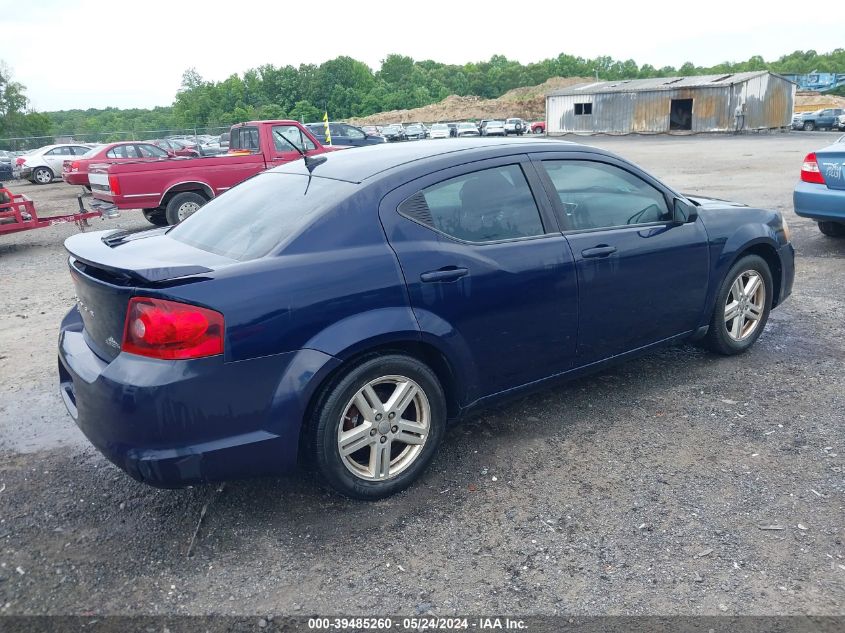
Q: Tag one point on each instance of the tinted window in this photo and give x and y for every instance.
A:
(484, 206)
(259, 214)
(596, 195)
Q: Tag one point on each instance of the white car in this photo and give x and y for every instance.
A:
(494, 128)
(439, 130)
(42, 165)
(467, 129)
(516, 126)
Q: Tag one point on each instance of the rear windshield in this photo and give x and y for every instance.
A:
(252, 219)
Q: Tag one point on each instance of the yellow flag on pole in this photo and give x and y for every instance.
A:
(328, 131)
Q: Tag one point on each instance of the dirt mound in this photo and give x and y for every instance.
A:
(811, 101)
(528, 103)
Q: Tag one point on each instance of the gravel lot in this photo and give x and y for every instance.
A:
(645, 489)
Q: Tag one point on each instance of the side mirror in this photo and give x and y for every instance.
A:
(684, 211)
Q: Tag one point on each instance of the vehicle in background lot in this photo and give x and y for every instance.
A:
(453, 129)
(75, 170)
(483, 270)
(494, 128)
(344, 134)
(171, 190)
(440, 130)
(538, 127)
(224, 140)
(371, 130)
(827, 118)
(467, 129)
(176, 147)
(414, 132)
(515, 126)
(841, 122)
(44, 164)
(5, 165)
(480, 124)
(394, 132)
(820, 194)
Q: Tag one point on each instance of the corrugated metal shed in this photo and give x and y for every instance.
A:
(705, 103)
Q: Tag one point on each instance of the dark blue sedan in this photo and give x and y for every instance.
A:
(343, 310)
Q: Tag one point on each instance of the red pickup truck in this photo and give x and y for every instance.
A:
(170, 190)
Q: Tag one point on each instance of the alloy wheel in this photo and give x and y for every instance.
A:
(383, 428)
(745, 305)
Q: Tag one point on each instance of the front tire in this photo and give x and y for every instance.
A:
(183, 205)
(832, 229)
(809, 126)
(375, 429)
(742, 307)
(42, 176)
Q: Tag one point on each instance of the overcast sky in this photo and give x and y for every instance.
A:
(98, 53)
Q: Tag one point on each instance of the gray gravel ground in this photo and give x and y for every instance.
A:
(644, 489)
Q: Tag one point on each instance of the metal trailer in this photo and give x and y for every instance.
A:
(17, 213)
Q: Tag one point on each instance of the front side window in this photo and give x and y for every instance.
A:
(150, 151)
(285, 137)
(596, 195)
(484, 206)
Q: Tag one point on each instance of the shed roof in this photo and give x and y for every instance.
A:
(660, 83)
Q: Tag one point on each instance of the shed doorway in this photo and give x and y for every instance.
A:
(680, 115)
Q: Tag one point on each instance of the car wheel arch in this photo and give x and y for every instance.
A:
(768, 252)
(198, 187)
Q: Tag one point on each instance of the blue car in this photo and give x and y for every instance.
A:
(820, 194)
(341, 311)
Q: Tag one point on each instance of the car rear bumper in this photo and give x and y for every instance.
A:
(75, 178)
(819, 202)
(22, 173)
(175, 423)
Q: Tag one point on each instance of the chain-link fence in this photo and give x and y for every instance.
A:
(25, 143)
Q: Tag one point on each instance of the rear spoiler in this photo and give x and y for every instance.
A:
(100, 251)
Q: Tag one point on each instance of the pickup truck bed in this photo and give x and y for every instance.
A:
(169, 190)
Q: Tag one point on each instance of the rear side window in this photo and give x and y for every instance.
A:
(244, 138)
(483, 206)
(260, 214)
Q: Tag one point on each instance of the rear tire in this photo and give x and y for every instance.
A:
(336, 412)
(155, 216)
(183, 205)
(42, 176)
(723, 338)
(832, 229)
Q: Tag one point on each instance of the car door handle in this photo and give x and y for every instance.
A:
(447, 273)
(598, 251)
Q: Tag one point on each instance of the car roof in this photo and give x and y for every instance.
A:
(359, 164)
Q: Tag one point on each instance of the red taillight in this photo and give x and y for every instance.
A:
(74, 166)
(810, 171)
(170, 330)
(20, 161)
(114, 185)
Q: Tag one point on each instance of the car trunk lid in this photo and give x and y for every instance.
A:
(108, 268)
(831, 161)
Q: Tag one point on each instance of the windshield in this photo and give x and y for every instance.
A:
(439, 126)
(257, 216)
(465, 126)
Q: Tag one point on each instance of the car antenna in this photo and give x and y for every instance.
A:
(310, 163)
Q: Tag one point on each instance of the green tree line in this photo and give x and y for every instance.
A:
(346, 87)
